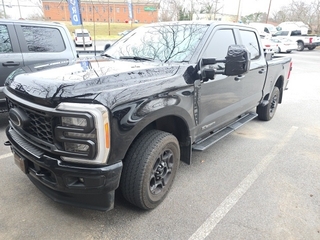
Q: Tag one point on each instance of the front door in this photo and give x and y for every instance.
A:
(220, 98)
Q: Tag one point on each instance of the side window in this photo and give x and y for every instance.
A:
(5, 43)
(219, 44)
(43, 39)
(250, 41)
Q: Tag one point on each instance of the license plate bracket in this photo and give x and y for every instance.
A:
(21, 162)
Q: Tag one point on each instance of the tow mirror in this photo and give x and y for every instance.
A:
(237, 61)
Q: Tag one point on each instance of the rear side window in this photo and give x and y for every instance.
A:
(250, 41)
(5, 43)
(43, 39)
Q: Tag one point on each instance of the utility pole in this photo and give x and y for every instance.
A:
(238, 14)
(4, 9)
(19, 9)
(268, 11)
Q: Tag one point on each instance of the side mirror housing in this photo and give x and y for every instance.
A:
(237, 61)
(107, 46)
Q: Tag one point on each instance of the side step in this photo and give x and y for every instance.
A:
(212, 139)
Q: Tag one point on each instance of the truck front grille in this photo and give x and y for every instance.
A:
(40, 122)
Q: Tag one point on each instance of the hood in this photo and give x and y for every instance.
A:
(52, 83)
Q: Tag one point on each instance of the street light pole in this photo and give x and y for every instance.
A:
(109, 17)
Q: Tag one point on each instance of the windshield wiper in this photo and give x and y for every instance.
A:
(136, 58)
(106, 55)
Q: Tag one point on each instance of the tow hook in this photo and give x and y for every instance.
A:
(7, 143)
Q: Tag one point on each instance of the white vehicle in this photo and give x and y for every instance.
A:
(268, 45)
(82, 37)
(265, 30)
(303, 41)
(284, 26)
(285, 45)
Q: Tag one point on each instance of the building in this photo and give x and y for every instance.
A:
(114, 11)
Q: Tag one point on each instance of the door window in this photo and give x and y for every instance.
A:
(5, 43)
(43, 39)
(250, 41)
(219, 44)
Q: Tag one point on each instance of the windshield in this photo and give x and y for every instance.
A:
(165, 43)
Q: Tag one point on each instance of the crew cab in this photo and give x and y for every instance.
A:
(25, 43)
(126, 119)
(303, 41)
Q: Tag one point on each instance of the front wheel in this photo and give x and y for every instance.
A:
(149, 169)
(267, 112)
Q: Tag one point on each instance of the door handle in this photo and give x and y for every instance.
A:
(262, 71)
(239, 77)
(10, 63)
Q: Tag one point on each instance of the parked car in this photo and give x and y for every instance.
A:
(268, 45)
(82, 37)
(264, 29)
(24, 43)
(285, 45)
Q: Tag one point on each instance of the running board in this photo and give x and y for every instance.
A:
(212, 139)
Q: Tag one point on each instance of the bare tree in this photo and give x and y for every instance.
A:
(316, 16)
(297, 11)
(211, 7)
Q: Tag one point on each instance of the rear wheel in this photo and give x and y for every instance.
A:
(300, 46)
(267, 112)
(149, 169)
(311, 47)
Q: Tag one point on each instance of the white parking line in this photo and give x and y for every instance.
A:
(5, 155)
(206, 228)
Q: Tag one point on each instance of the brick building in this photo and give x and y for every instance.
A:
(116, 11)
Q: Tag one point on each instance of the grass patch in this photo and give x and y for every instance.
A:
(100, 31)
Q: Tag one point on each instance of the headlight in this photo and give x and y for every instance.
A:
(83, 133)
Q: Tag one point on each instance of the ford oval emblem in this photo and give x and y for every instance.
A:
(18, 117)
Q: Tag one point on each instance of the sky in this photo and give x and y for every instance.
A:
(251, 6)
(28, 7)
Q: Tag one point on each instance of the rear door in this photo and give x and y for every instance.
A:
(40, 44)
(10, 54)
(253, 81)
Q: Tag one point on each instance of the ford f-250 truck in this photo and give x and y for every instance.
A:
(128, 118)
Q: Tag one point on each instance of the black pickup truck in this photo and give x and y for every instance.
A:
(126, 119)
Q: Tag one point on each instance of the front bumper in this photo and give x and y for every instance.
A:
(87, 187)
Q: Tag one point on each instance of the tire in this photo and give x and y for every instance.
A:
(149, 169)
(267, 112)
(312, 47)
(289, 51)
(300, 46)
